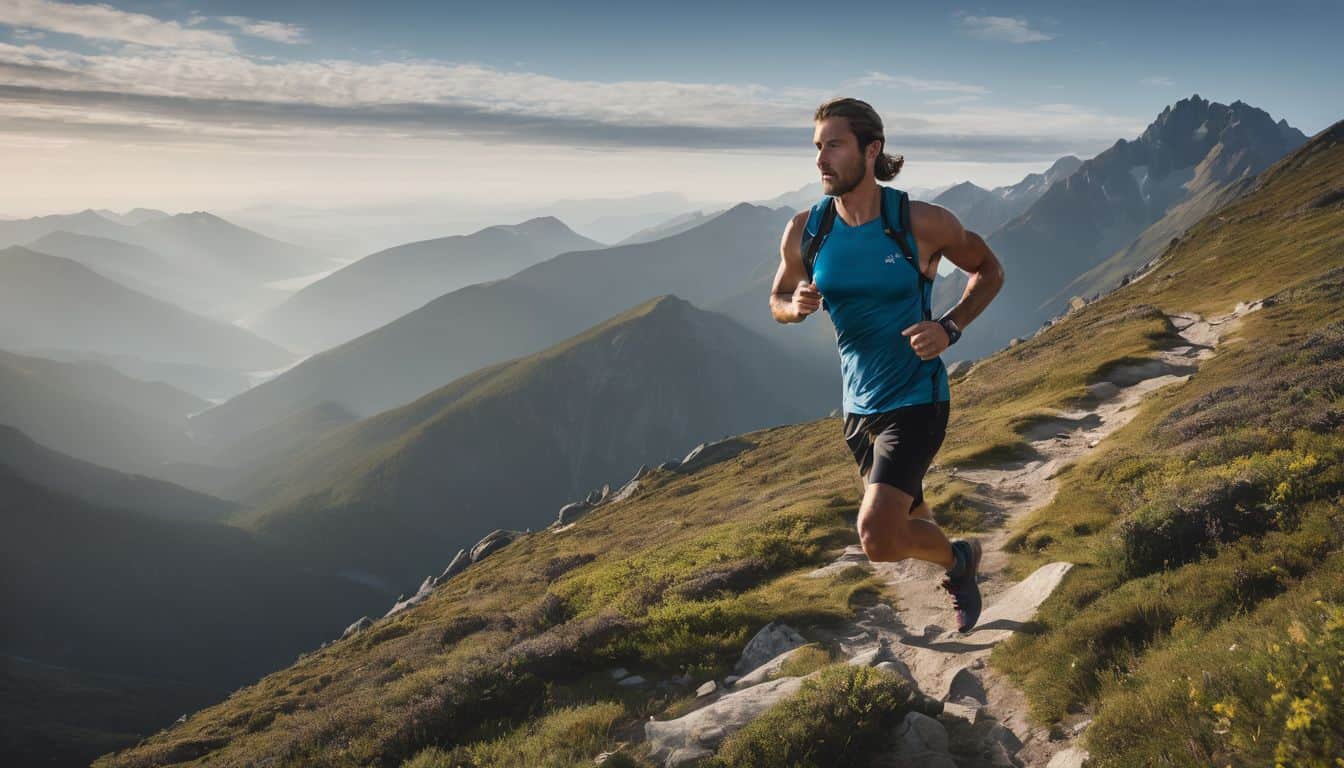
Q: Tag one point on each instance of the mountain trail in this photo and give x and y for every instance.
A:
(952, 667)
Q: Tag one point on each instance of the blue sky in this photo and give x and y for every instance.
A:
(226, 103)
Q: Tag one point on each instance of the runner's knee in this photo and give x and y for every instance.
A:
(884, 525)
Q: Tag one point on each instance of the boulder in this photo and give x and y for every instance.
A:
(642, 471)
(625, 492)
(572, 511)
(921, 740)
(669, 465)
(698, 734)
(765, 671)
(770, 641)
(958, 368)
(359, 626)
(1072, 757)
(705, 454)
(460, 561)
(493, 542)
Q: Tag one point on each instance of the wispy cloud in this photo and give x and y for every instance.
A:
(103, 22)
(201, 93)
(916, 83)
(1003, 28)
(275, 31)
(1158, 80)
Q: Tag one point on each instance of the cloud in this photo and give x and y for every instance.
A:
(1003, 28)
(275, 31)
(1158, 80)
(28, 34)
(195, 95)
(916, 83)
(103, 22)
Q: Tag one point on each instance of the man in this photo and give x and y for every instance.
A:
(896, 396)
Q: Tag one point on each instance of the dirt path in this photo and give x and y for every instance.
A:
(950, 666)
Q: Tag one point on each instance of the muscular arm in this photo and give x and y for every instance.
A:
(941, 229)
(790, 272)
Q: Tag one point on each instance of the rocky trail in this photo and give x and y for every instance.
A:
(984, 720)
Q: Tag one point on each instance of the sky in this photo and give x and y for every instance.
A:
(222, 105)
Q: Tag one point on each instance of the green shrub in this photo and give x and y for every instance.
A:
(838, 718)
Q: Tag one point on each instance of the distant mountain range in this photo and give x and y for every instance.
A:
(505, 447)
(94, 413)
(196, 260)
(49, 302)
(1118, 210)
(480, 325)
(985, 210)
(383, 286)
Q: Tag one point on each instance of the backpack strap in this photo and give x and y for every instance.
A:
(900, 232)
(905, 240)
(819, 223)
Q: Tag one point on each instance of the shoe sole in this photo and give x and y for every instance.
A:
(973, 569)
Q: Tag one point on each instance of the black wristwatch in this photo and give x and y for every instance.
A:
(953, 332)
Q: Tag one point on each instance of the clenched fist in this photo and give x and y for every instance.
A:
(927, 338)
(806, 299)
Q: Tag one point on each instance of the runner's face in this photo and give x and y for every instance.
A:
(841, 163)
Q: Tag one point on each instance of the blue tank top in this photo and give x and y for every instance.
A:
(872, 293)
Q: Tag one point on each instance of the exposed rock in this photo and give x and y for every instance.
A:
(633, 681)
(359, 626)
(958, 368)
(460, 561)
(641, 472)
(572, 511)
(626, 491)
(922, 740)
(606, 492)
(669, 465)
(422, 594)
(1068, 758)
(772, 640)
(705, 454)
(706, 689)
(698, 734)
(493, 542)
(835, 413)
(592, 498)
(618, 673)
(763, 672)
(1076, 303)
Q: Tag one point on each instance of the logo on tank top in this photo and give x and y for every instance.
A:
(891, 258)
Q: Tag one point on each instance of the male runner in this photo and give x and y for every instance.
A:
(896, 395)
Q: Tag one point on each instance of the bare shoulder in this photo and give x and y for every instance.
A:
(793, 231)
(932, 217)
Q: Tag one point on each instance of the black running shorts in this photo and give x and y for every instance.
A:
(896, 447)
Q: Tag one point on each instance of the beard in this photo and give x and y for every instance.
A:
(845, 183)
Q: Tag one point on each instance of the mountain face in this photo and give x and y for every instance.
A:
(86, 222)
(1194, 150)
(208, 265)
(156, 611)
(985, 210)
(483, 324)
(383, 286)
(47, 302)
(92, 412)
(396, 494)
(102, 486)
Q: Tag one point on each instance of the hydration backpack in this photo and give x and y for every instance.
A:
(822, 218)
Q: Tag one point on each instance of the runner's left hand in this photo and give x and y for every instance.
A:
(927, 338)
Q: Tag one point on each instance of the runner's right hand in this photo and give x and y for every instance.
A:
(806, 299)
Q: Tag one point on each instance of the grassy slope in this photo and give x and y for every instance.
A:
(1211, 525)
(512, 652)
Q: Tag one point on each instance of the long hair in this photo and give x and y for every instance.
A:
(867, 127)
